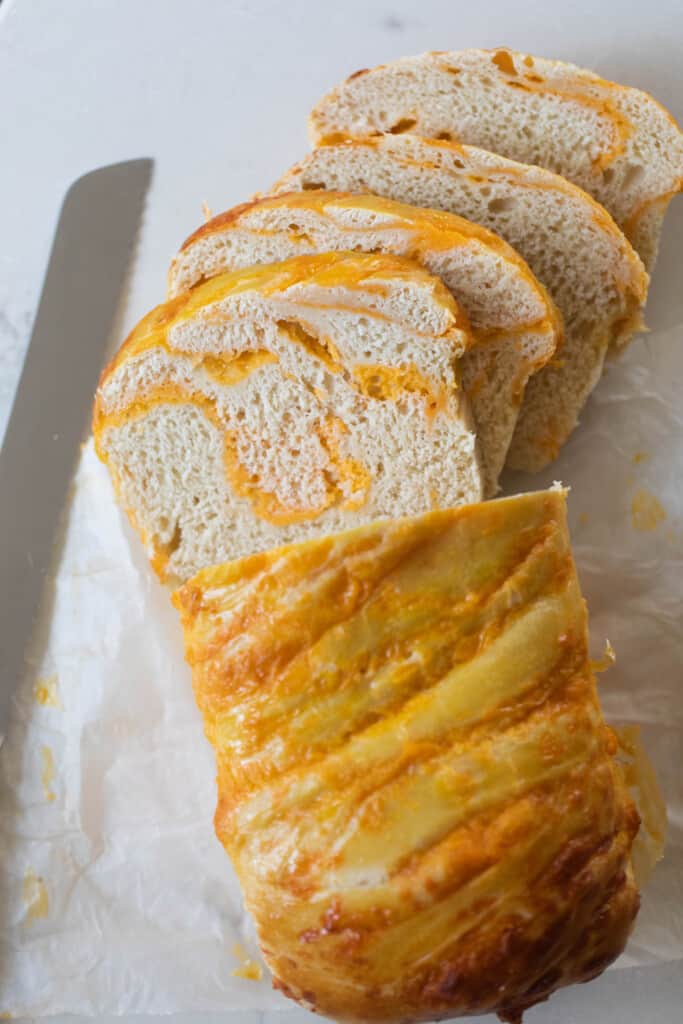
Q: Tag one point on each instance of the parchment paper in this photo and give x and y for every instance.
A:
(116, 897)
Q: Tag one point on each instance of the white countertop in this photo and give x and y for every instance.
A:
(217, 92)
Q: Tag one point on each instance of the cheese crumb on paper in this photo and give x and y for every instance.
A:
(647, 511)
(46, 692)
(248, 968)
(35, 896)
(47, 774)
(608, 659)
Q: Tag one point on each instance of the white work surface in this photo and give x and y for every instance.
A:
(217, 92)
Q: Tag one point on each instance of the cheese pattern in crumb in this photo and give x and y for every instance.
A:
(614, 141)
(413, 764)
(515, 323)
(569, 241)
(280, 402)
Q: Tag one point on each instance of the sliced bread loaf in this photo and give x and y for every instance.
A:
(570, 242)
(286, 401)
(516, 325)
(616, 142)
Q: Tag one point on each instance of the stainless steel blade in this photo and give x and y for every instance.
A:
(86, 274)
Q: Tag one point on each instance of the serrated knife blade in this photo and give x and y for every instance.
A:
(85, 278)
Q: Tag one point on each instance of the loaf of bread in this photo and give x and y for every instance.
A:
(570, 242)
(415, 782)
(616, 142)
(282, 402)
(515, 323)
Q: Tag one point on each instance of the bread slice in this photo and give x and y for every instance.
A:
(616, 142)
(570, 242)
(280, 402)
(412, 763)
(515, 323)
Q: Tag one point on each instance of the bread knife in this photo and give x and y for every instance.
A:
(86, 274)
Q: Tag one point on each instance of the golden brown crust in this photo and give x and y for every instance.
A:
(215, 224)
(416, 785)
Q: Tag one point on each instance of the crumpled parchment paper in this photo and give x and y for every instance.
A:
(115, 895)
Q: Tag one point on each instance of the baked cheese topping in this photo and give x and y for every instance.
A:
(412, 761)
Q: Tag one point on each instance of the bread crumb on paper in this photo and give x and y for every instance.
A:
(640, 457)
(248, 968)
(207, 213)
(35, 896)
(46, 692)
(647, 511)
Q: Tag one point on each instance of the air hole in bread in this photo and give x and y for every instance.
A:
(607, 175)
(404, 125)
(313, 186)
(633, 176)
(444, 136)
(501, 204)
(504, 62)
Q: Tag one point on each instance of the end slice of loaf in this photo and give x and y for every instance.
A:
(282, 402)
(616, 142)
(570, 242)
(404, 792)
(516, 325)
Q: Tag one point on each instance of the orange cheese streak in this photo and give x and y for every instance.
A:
(265, 504)
(228, 370)
(618, 126)
(378, 382)
(429, 229)
(334, 269)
